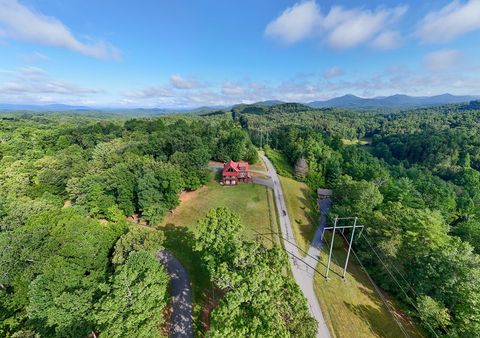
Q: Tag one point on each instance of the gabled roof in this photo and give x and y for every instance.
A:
(235, 166)
(231, 164)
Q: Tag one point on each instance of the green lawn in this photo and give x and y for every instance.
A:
(259, 165)
(352, 308)
(302, 210)
(254, 203)
(280, 162)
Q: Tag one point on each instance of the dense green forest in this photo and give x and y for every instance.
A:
(71, 265)
(415, 186)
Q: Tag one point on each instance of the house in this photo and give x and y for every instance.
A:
(235, 172)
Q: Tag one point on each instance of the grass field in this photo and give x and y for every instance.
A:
(352, 308)
(280, 162)
(259, 165)
(254, 203)
(301, 210)
(361, 142)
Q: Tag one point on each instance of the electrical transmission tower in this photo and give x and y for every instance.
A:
(342, 227)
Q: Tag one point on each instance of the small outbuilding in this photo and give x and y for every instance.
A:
(324, 193)
(235, 172)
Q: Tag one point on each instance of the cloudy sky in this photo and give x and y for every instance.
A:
(189, 53)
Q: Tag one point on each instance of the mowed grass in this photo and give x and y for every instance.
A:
(352, 308)
(302, 210)
(254, 203)
(259, 165)
(280, 162)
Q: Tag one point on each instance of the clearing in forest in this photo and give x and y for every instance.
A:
(254, 203)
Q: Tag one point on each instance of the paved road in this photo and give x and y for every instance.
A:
(316, 247)
(301, 272)
(262, 181)
(181, 293)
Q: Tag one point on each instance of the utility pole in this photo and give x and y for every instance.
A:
(349, 247)
(331, 247)
(343, 227)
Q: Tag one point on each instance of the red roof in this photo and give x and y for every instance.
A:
(236, 166)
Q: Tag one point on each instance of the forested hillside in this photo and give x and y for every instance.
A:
(70, 263)
(415, 185)
(68, 255)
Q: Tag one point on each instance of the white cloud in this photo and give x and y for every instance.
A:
(393, 80)
(232, 89)
(20, 22)
(451, 21)
(387, 40)
(180, 82)
(151, 92)
(341, 28)
(31, 71)
(34, 83)
(349, 28)
(34, 57)
(295, 23)
(441, 60)
(333, 72)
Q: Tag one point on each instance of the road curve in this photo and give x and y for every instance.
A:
(301, 272)
(181, 293)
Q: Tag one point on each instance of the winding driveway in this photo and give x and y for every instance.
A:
(302, 273)
(181, 293)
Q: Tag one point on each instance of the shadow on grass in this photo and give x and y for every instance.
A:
(308, 199)
(180, 241)
(376, 320)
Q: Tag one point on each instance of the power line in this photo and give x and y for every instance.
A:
(394, 267)
(316, 259)
(396, 281)
(334, 228)
(377, 289)
(402, 276)
(387, 305)
(293, 255)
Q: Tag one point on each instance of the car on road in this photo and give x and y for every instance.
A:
(284, 213)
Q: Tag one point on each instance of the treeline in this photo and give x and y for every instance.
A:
(417, 190)
(70, 265)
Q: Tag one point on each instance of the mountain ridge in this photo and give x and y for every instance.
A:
(345, 101)
(393, 101)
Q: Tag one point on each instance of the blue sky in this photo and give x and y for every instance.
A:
(193, 53)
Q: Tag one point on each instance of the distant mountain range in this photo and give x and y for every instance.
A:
(394, 101)
(36, 107)
(346, 101)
